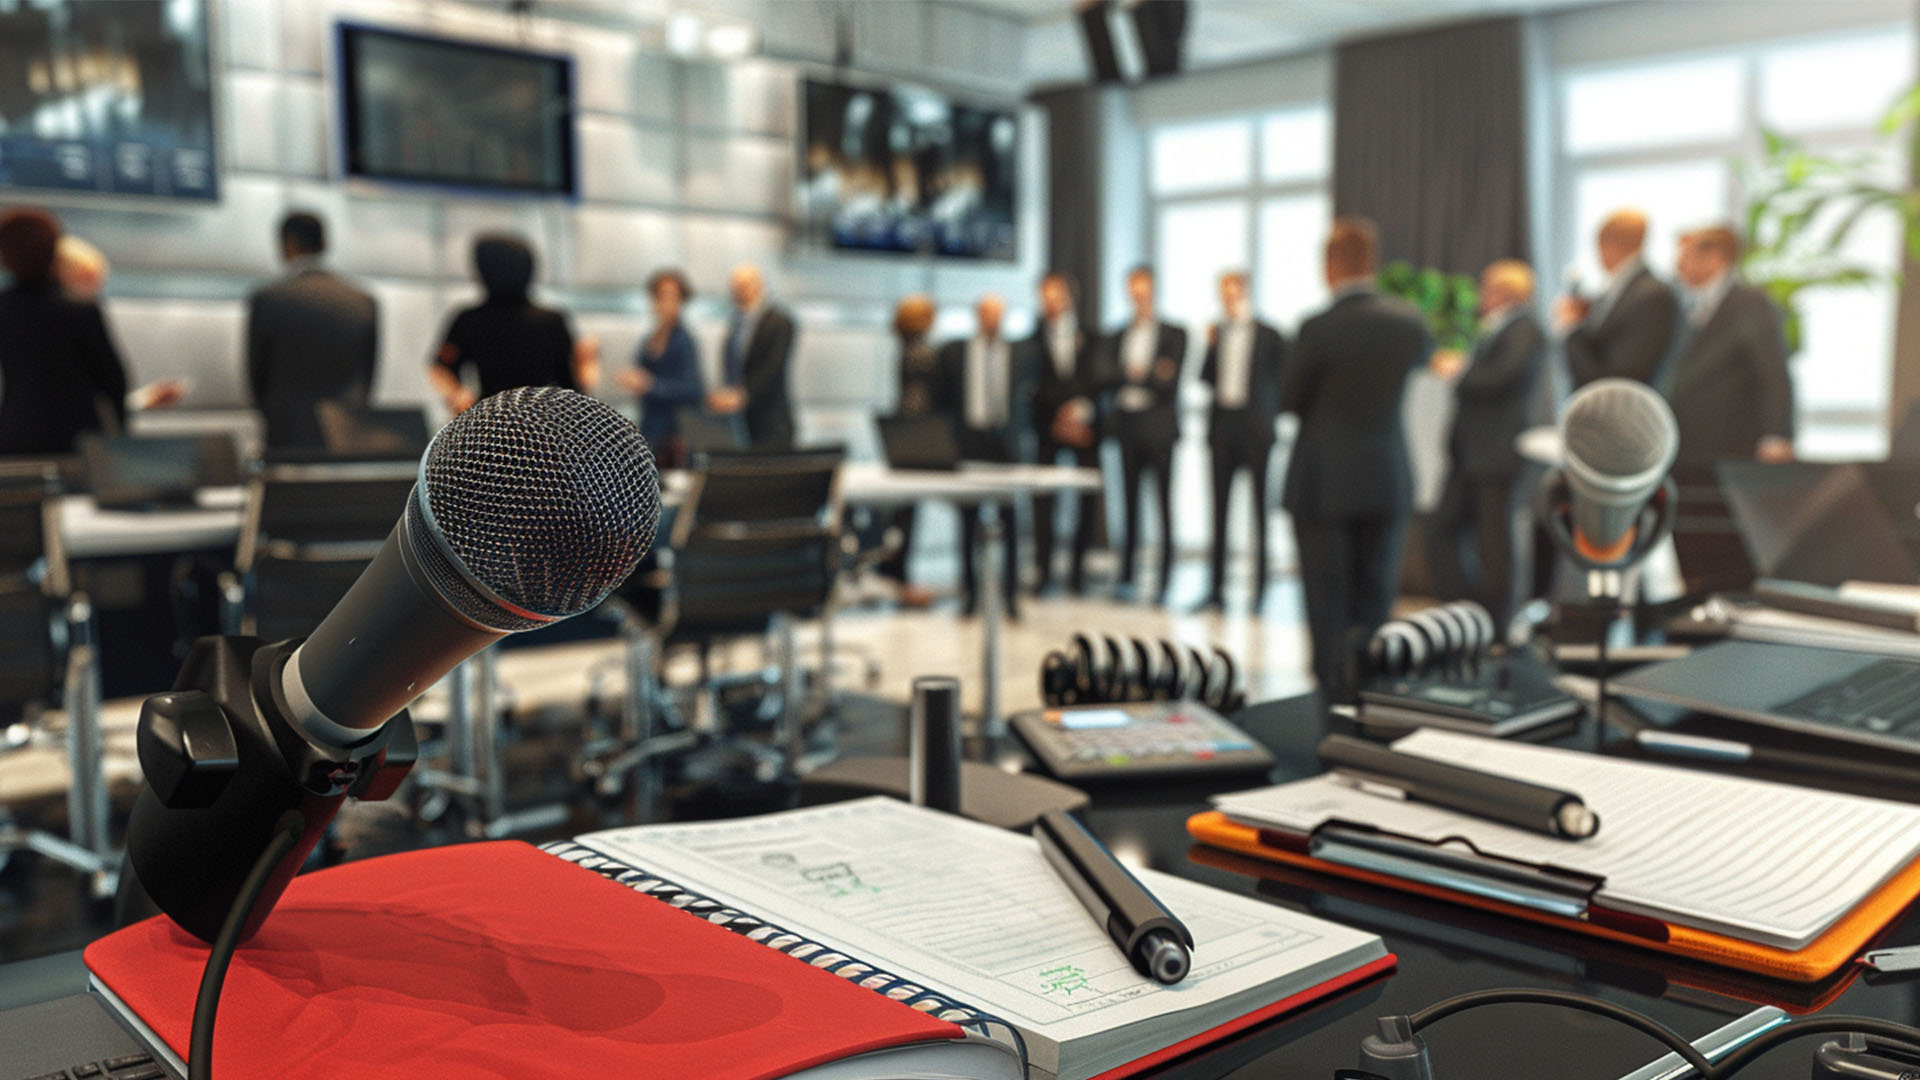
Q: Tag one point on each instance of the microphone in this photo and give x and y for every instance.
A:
(1618, 440)
(530, 507)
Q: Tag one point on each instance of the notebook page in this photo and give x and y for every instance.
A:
(977, 913)
(1763, 862)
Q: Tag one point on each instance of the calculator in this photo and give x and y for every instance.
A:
(1138, 739)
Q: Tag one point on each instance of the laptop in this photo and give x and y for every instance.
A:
(1820, 524)
(919, 442)
(368, 434)
(1855, 697)
(132, 472)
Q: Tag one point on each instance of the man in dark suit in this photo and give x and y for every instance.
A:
(757, 357)
(1244, 367)
(1729, 388)
(984, 387)
(1349, 486)
(1629, 329)
(1143, 361)
(1066, 419)
(311, 337)
(1491, 403)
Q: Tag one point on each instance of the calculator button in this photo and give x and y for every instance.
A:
(115, 1064)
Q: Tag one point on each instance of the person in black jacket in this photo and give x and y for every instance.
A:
(1729, 388)
(985, 384)
(311, 337)
(1066, 420)
(1629, 330)
(1491, 399)
(1246, 361)
(1143, 361)
(507, 340)
(60, 375)
(756, 363)
(920, 394)
(1349, 486)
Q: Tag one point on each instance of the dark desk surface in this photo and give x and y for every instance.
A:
(1443, 949)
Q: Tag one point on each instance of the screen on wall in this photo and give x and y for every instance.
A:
(907, 170)
(107, 96)
(432, 110)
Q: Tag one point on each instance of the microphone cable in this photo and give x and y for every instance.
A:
(207, 1004)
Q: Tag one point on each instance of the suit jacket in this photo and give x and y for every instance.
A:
(311, 337)
(768, 361)
(1346, 382)
(1493, 398)
(1000, 443)
(1730, 387)
(60, 375)
(1157, 425)
(1050, 389)
(1269, 363)
(1632, 340)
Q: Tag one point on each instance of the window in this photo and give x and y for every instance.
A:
(1290, 283)
(1202, 157)
(1196, 242)
(1297, 145)
(1667, 135)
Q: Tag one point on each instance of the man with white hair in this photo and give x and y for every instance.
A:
(756, 361)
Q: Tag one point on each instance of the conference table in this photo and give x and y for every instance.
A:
(215, 521)
(1443, 949)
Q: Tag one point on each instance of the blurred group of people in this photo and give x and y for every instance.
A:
(312, 336)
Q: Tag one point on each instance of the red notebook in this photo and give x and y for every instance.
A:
(497, 960)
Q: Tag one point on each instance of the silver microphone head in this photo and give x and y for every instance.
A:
(532, 506)
(1618, 440)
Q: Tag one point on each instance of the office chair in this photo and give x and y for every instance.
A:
(706, 432)
(761, 550)
(47, 648)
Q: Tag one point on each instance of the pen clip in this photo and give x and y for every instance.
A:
(1893, 959)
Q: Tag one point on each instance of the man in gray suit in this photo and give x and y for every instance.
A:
(1628, 330)
(1349, 485)
(311, 337)
(1491, 403)
(1729, 388)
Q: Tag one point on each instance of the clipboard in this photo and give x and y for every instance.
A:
(1554, 897)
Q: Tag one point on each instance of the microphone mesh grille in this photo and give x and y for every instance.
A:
(1618, 427)
(546, 497)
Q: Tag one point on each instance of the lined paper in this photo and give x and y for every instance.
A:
(978, 914)
(1763, 862)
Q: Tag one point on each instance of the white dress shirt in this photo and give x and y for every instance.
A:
(1704, 301)
(989, 373)
(1063, 340)
(1136, 363)
(1236, 364)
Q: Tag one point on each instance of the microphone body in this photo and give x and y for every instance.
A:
(531, 507)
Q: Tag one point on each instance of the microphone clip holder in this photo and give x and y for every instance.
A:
(223, 761)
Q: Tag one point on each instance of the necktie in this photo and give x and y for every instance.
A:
(737, 349)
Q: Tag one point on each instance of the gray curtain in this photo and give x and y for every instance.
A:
(1074, 152)
(1430, 142)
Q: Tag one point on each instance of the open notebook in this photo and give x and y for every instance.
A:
(1766, 863)
(975, 915)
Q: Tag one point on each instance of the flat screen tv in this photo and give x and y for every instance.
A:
(112, 96)
(907, 170)
(431, 110)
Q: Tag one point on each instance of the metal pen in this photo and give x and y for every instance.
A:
(1499, 798)
(1146, 933)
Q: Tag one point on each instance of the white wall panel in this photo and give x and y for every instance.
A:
(744, 173)
(716, 244)
(619, 248)
(411, 319)
(371, 232)
(231, 235)
(198, 340)
(754, 96)
(852, 365)
(623, 161)
(307, 133)
(250, 32)
(250, 123)
(619, 336)
(982, 46)
(532, 219)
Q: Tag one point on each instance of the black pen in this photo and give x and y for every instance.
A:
(1147, 934)
(1457, 787)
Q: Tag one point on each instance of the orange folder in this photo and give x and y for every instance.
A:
(1823, 956)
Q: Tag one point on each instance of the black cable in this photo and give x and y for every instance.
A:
(200, 1047)
(1673, 1039)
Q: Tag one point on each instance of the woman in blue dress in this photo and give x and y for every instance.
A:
(666, 374)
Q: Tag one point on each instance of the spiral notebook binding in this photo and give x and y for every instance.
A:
(905, 991)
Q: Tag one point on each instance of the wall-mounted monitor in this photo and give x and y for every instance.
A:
(430, 110)
(110, 96)
(907, 170)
